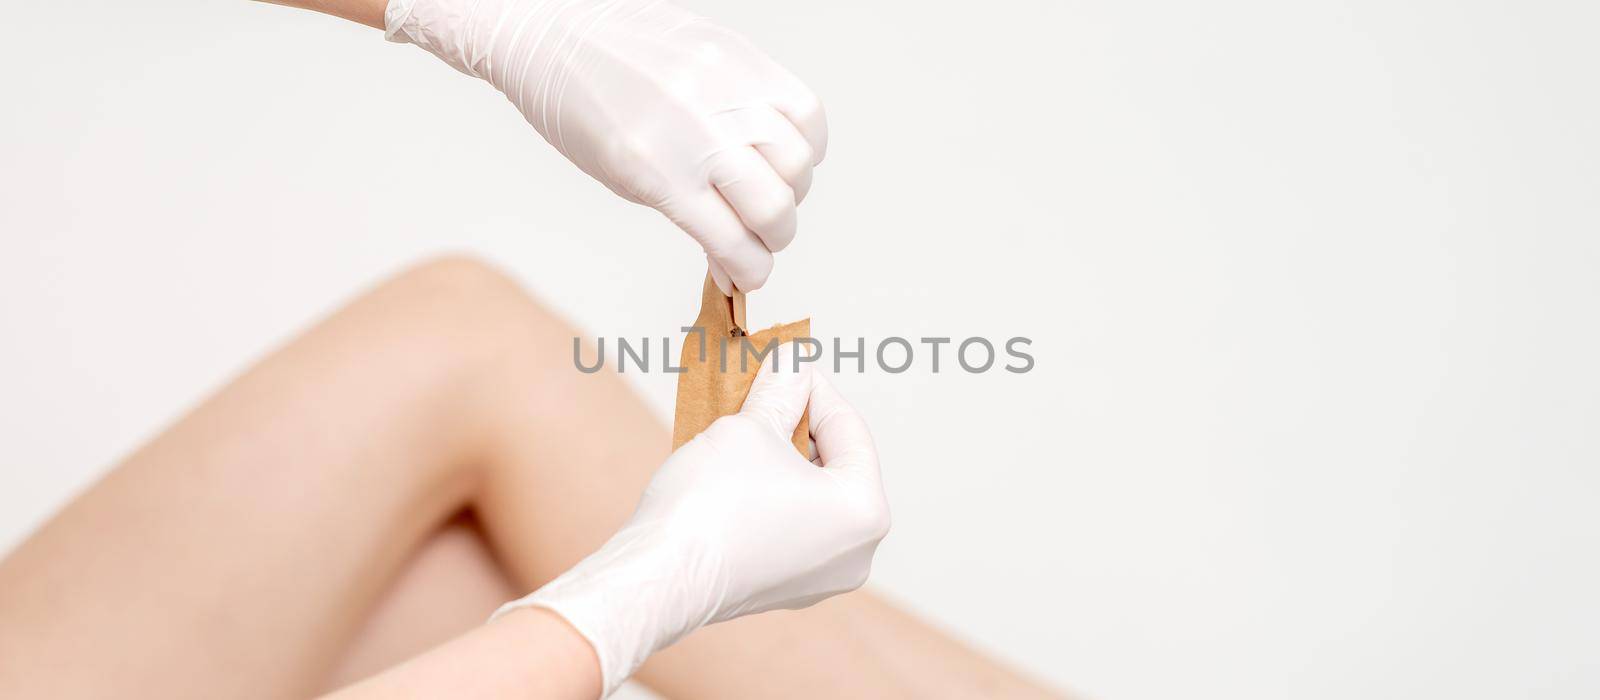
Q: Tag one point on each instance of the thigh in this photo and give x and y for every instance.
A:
(236, 554)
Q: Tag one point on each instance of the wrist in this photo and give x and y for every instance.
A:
(443, 28)
(629, 599)
(549, 642)
(487, 39)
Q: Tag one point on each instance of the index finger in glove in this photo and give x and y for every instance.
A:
(711, 221)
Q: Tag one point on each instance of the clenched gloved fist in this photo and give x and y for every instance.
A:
(735, 522)
(663, 107)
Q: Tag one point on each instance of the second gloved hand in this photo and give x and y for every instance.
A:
(735, 522)
(663, 107)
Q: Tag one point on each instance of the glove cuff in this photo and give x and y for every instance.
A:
(626, 599)
(394, 17)
(437, 27)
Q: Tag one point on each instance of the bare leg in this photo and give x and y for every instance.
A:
(449, 586)
(240, 553)
(453, 583)
(237, 553)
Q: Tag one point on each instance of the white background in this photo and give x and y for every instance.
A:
(1312, 288)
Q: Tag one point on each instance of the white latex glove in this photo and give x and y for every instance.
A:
(734, 522)
(661, 106)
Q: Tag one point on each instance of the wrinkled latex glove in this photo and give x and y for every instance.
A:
(661, 106)
(734, 522)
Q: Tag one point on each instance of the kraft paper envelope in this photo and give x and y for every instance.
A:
(710, 386)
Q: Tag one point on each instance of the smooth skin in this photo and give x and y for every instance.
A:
(368, 12)
(372, 491)
(528, 652)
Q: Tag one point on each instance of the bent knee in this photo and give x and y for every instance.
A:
(459, 275)
(477, 299)
(466, 286)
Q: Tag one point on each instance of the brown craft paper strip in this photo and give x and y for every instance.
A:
(706, 391)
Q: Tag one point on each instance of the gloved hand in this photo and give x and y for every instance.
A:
(734, 522)
(661, 106)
